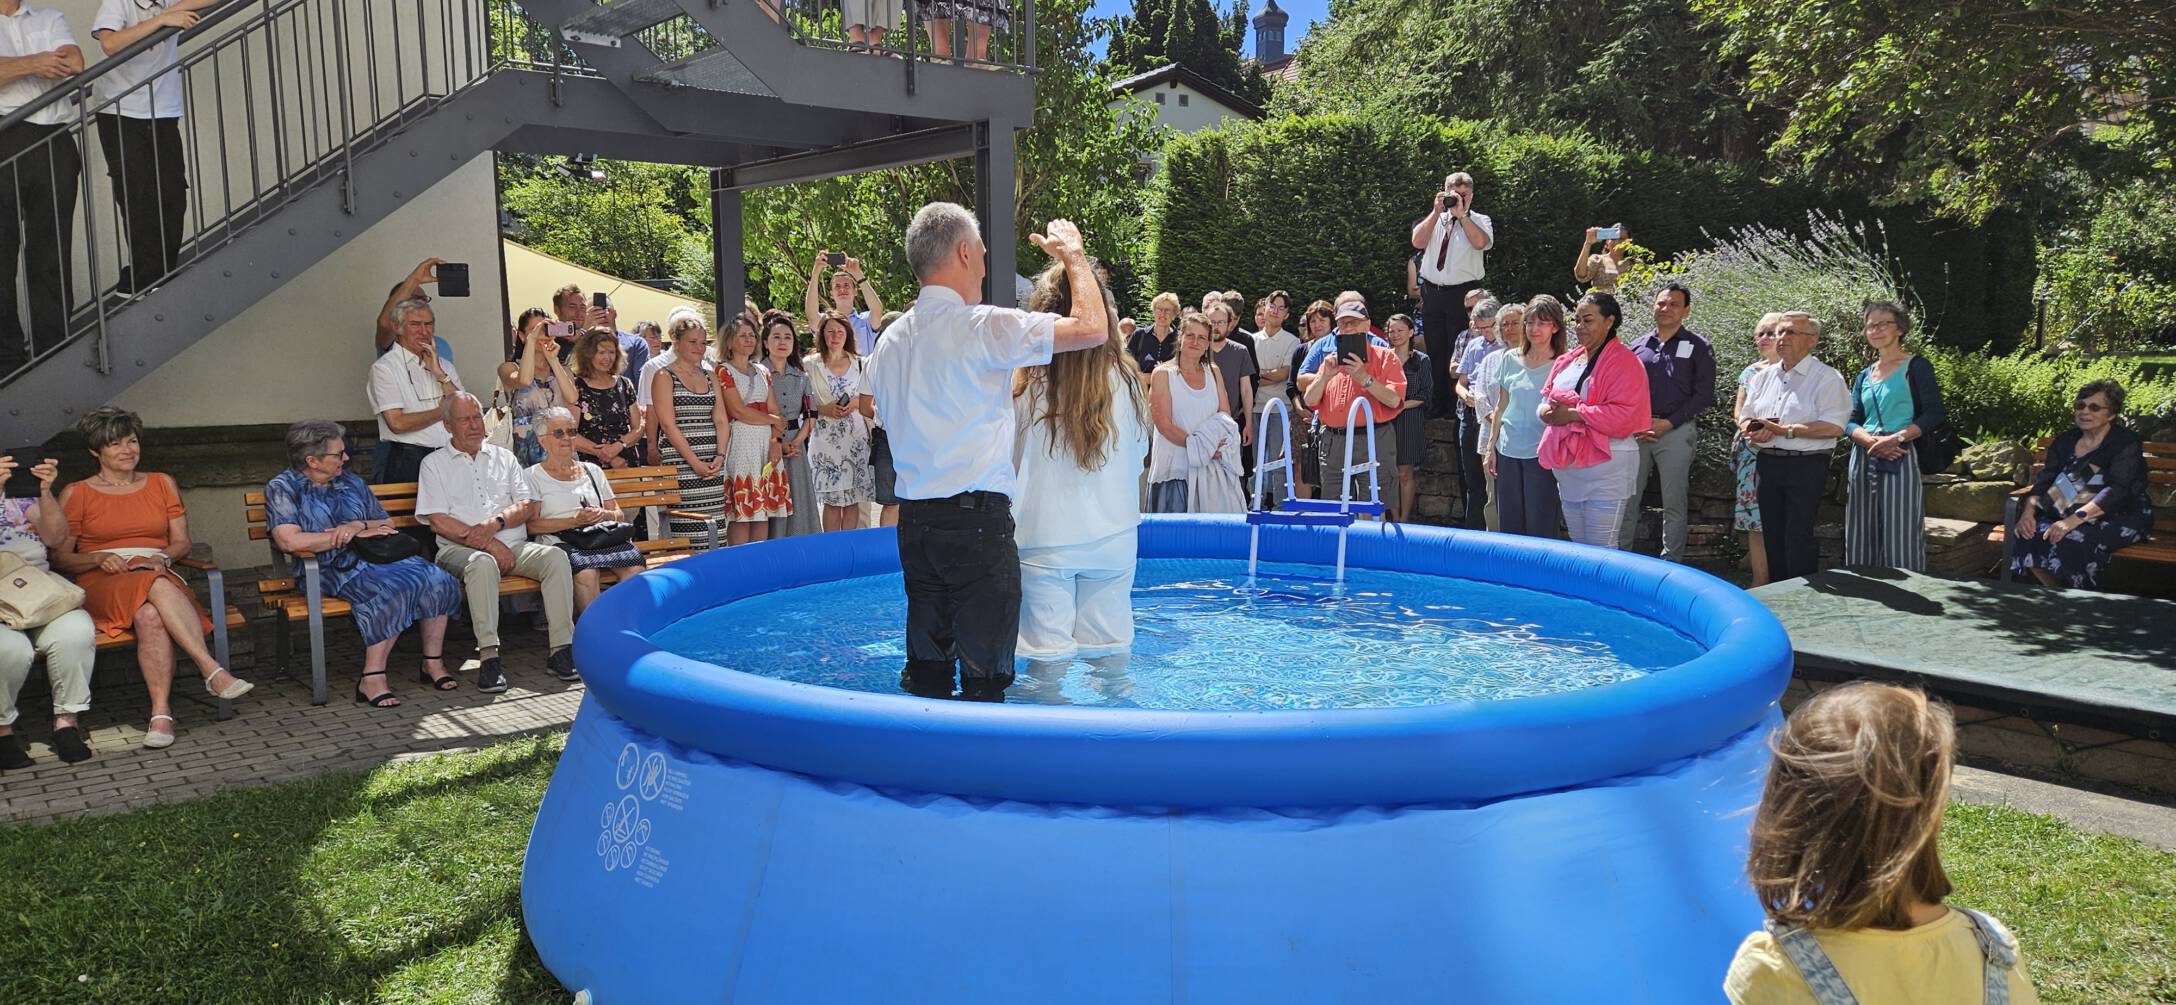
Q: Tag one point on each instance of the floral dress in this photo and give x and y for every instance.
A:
(792, 386)
(1745, 512)
(528, 405)
(608, 414)
(387, 598)
(755, 488)
(838, 450)
(2114, 474)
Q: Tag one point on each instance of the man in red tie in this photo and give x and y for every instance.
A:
(1452, 239)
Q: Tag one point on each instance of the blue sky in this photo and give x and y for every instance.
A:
(1303, 12)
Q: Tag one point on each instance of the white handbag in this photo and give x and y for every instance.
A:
(31, 597)
(499, 422)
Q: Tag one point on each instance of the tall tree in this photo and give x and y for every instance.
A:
(1191, 33)
(1968, 104)
(1642, 73)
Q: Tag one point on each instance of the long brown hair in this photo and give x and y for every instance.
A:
(1078, 408)
(1845, 835)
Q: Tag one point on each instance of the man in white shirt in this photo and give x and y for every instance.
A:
(478, 501)
(407, 386)
(141, 135)
(942, 377)
(1794, 411)
(39, 168)
(1452, 240)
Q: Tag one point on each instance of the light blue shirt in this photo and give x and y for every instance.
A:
(1520, 436)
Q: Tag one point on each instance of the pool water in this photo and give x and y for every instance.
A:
(1207, 639)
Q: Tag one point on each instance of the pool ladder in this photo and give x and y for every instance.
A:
(1293, 511)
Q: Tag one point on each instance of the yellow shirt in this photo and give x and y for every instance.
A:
(1938, 962)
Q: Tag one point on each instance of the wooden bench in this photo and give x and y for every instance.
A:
(2159, 548)
(222, 708)
(290, 598)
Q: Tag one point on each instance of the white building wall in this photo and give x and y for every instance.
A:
(1199, 112)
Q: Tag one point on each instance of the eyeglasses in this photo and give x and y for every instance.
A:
(2091, 406)
(560, 434)
(342, 454)
(1762, 335)
(1877, 325)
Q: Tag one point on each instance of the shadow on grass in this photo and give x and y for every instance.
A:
(401, 884)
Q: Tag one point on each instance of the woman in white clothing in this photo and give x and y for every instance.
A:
(1183, 391)
(1082, 433)
(572, 492)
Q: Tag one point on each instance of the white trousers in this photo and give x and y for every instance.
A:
(1074, 612)
(1595, 521)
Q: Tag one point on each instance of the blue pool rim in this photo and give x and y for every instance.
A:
(1447, 753)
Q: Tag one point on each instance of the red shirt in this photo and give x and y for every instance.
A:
(1339, 392)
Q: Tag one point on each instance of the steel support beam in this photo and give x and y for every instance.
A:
(728, 261)
(994, 194)
(943, 143)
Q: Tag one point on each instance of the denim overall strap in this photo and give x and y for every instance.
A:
(1813, 964)
(2000, 949)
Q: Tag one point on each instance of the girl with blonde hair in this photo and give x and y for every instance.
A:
(1844, 861)
(1082, 438)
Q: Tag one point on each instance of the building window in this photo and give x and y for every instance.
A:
(1182, 101)
(1159, 97)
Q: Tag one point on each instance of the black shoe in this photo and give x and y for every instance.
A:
(561, 665)
(12, 755)
(68, 743)
(490, 677)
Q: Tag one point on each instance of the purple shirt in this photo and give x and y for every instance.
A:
(1680, 374)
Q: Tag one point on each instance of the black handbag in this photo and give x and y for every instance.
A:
(604, 535)
(1938, 449)
(385, 549)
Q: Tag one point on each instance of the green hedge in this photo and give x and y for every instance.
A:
(2026, 395)
(1316, 204)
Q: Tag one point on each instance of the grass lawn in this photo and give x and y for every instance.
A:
(404, 885)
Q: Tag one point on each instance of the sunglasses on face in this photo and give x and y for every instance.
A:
(560, 434)
(2091, 406)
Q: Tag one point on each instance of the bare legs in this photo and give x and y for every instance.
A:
(588, 583)
(1757, 550)
(1405, 493)
(842, 517)
(744, 532)
(155, 658)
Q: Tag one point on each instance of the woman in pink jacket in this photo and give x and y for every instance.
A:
(1596, 399)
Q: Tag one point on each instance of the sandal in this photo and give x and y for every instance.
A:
(447, 683)
(158, 741)
(384, 699)
(236, 687)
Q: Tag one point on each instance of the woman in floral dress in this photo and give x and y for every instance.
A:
(789, 387)
(755, 481)
(1745, 513)
(838, 450)
(534, 380)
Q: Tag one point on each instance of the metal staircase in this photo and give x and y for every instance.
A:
(308, 121)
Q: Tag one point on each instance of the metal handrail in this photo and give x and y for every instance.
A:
(81, 82)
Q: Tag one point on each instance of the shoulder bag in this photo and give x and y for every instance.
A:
(604, 535)
(31, 597)
(386, 549)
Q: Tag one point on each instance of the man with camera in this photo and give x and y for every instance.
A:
(598, 312)
(1452, 240)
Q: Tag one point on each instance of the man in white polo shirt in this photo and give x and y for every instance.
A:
(478, 501)
(141, 135)
(407, 385)
(1452, 240)
(942, 377)
(1794, 412)
(39, 166)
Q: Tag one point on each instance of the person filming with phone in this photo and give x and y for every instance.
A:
(1362, 367)
(1452, 240)
(1599, 270)
(846, 282)
(1795, 411)
(407, 385)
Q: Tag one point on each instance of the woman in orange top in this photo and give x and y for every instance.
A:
(125, 529)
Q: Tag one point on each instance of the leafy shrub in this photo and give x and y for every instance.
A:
(2111, 283)
(2027, 395)
(1319, 203)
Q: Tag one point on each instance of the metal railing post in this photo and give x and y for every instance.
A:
(1025, 37)
(914, 40)
(90, 248)
(347, 108)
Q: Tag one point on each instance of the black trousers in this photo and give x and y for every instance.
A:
(39, 170)
(151, 184)
(1472, 476)
(1442, 317)
(1790, 497)
(962, 573)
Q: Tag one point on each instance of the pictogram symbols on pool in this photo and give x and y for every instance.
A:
(623, 836)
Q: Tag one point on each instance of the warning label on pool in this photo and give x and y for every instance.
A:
(646, 781)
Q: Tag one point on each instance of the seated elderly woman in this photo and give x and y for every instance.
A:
(30, 522)
(318, 507)
(2089, 498)
(125, 530)
(572, 494)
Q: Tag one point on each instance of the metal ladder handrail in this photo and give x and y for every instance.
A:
(1360, 408)
(1361, 404)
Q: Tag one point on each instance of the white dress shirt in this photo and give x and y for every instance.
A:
(943, 382)
(475, 489)
(399, 381)
(1463, 262)
(1811, 392)
(31, 32)
(162, 100)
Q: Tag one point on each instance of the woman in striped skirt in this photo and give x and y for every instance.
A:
(687, 433)
(1894, 401)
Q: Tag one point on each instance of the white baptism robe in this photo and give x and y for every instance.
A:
(1076, 531)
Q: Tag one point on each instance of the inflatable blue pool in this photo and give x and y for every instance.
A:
(716, 835)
